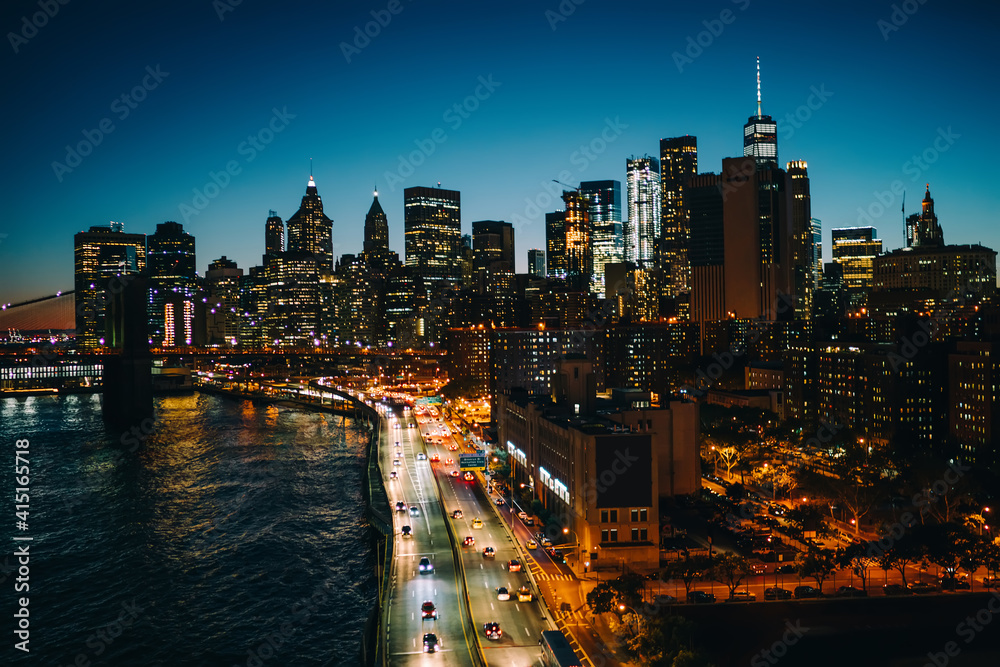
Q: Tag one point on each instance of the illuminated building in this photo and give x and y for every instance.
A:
(252, 308)
(579, 260)
(292, 301)
(802, 254)
(170, 259)
(493, 245)
(536, 263)
(222, 316)
(816, 226)
(642, 229)
(274, 235)
(855, 249)
(555, 244)
(469, 355)
(973, 383)
(606, 227)
(178, 321)
(648, 356)
(678, 164)
(103, 258)
(433, 230)
(922, 229)
(760, 135)
(310, 231)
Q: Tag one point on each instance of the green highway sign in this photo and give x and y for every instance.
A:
(472, 461)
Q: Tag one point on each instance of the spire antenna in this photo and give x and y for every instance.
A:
(758, 100)
(758, 85)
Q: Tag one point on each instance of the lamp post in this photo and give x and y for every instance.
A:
(621, 611)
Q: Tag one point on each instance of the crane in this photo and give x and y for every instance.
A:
(574, 187)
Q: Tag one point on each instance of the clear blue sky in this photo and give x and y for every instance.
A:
(889, 95)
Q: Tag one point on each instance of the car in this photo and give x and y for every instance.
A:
(421, 456)
(741, 596)
(664, 599)
(425, 566)
(453, 448)
(397, 443)
(503, 594)
(555, 555)
(514, 565)
(991, 582)
(954, 583)
(469, 541)
(431, 643)
(454, 473)
(435, 458)
(700, 597)
(922, 587)
(524, 594)
(850, 592)
(449, 462)
(896, 589)
(492, 630)
(802, 592)
(468, 477)
(776, 593)
(406, 531)
(393, 475)
(488, 552)
(499, 502)
(397, 462)
(477, 523)
(530, 521)
(414, 510)
(522, 515)
(786, 569)
(546, 542)
(400, 506)
(457, 514)
(427, 610)
(531, 544)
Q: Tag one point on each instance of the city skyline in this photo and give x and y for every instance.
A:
(147, 169)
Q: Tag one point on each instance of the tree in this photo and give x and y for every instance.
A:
(730, 569)
(818, 564)
(666, 640)
(904, 552)
(855, 556)
(603, 598)
(946, 544)
(805, 518)
(688, 569)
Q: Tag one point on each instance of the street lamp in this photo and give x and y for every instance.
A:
(621, 611)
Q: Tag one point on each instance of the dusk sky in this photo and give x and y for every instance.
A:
(920, 84)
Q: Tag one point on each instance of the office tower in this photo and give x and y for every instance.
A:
(103, 258)
(922, 229)
(802, 255)
(817, 234)
(292, 301)
(855, 249)
(760, 135)
(642, 229)
(606, 227)
(310, 231)
(555, 244)
(376, 227)
(222, 316)
(274, 235)
(536, 262)
(678, 164)
(493, 244)
(376, 264)
(170, 259)
(740, 230)
(253, 307)
(579, 260)
(433, 228)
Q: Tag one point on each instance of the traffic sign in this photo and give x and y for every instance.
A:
(472, 461)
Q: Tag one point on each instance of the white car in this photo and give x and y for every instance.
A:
(503, 594)
(421, 456)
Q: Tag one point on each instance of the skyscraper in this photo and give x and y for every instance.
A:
(103, 259)
(293, 299)
(222, 318)
(760, 135)
(855, 249)
(801, 243)
(642, 228)
(555, 244)
(579, 258)
(376, 227)
(172, 278)
(310, 231)
(606, 227)
(536, 263)
(922, 229)
(817, 233)
(492, 244)
(274, 235)
(433, 229)
(678, 163)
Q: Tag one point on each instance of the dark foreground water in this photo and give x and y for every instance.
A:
(231, 534)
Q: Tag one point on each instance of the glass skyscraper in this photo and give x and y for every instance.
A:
(678, 163)
(173, 280)
(606, 238)
(760, 135)
(310, 231)
(642, 229)
(433, 230)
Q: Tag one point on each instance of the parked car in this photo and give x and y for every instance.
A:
(850, 592)
(776, 593)
(991, 582)
(741, 596)
(954, 583)
(664, 599)
(786, 569)
(896, 589)
(801, 592)
(700, 597)
(922, 588)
